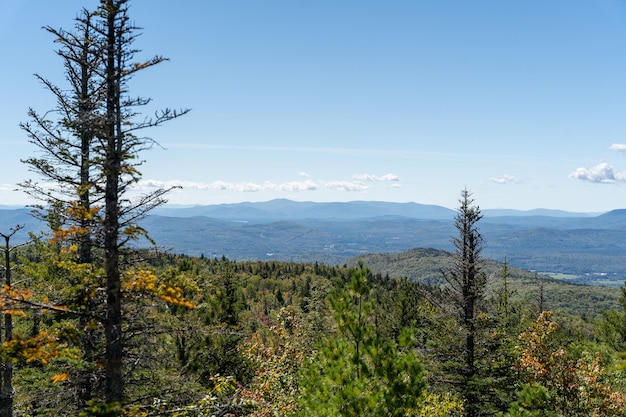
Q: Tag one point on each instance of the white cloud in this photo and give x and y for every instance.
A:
(346, 186)
(215, 185)
(245, 187)
(618, 147)
(390, 177)
(307, 185)
(152, 184)
(505, 179)
(369, 177)
(359, 183)
(603, 173)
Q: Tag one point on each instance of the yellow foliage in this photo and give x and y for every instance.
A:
(146, 281)
(63, 234)
(59, 378)
(11, 292)
(133, 231)
(43, 348)
(142, 280)
(15, 312)
(11, 297)
(438, 405)
(79, 212)
(134, 411)
(77, 269)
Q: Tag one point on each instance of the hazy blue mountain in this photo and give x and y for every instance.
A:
(534, 212)
(12, 217)
(588, 248)
(611, 220)
(330, 241)
(614, 218)
(292, 210)
(280, 209)
(591, 255)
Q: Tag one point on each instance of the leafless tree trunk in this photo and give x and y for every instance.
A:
(6, 392)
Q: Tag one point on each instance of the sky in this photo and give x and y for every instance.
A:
(521, 102)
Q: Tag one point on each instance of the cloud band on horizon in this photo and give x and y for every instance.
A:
(358, 183)
(505, 179)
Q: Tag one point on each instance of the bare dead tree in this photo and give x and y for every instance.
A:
(6, 391)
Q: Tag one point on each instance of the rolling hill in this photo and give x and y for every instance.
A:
(426, 265)
(580, 247)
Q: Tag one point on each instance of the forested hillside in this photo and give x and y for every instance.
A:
(94, 324)
(212, 337)
(580, 249)
(424, 266)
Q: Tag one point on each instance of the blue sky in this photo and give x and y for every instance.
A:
(522, 102)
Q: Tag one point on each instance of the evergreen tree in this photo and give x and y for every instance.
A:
(91, 154)
(211, 344)
(466, 285)
(356, 372)
(472, 344)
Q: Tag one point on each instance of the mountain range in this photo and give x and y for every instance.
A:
(581, 247)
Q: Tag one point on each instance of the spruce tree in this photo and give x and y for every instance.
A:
(465, 290)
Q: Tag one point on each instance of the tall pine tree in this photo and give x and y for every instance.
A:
(465, 290)
(91, 158)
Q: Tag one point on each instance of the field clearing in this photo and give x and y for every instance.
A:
(598, 279)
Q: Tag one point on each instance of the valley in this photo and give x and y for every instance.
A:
(574, 247)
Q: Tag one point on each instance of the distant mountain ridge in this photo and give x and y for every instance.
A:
(283, 209)
(280, 209)
(583, 247)
(535, 212)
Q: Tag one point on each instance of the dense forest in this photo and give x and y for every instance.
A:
(94, 327)
(205, 337)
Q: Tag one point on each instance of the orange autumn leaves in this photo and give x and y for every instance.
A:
(576, 386)
(42, 348)
(57, 347)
